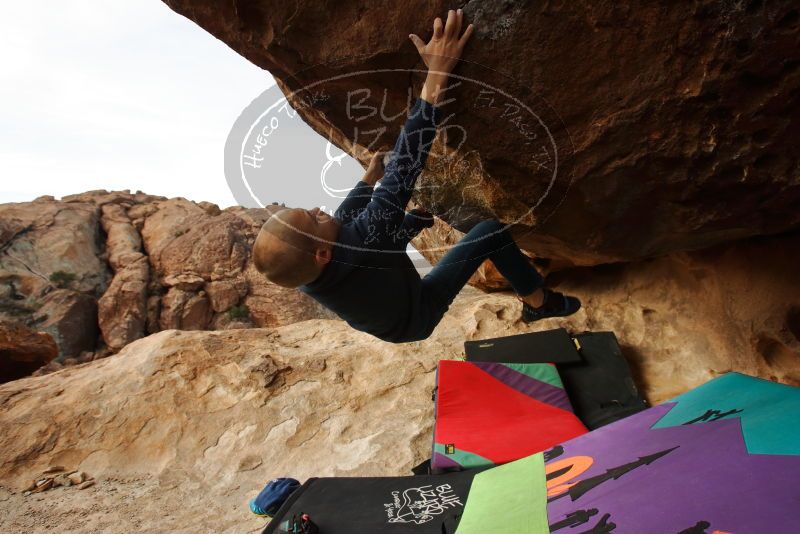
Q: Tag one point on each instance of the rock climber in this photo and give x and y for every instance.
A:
(355, 262)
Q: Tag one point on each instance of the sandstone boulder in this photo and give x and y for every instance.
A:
(186, 281)
(224, 294)
(46, 245)
(122, 310)
(185, 310)
(52, 269)
(181, 237)
(123, 242)
(608, 132)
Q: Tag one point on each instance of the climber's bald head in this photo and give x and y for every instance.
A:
(294, 245)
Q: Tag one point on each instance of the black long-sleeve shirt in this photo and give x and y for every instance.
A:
(370, 281)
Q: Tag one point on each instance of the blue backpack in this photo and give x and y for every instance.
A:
(273, 496)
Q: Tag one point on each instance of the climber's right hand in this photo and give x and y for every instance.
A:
(442, 52)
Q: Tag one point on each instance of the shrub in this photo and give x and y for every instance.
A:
(239, 312)
(62, 279)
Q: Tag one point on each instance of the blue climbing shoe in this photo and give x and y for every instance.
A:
(555, 305)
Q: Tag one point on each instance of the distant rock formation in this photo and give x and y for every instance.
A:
(631, 129)
(99, 270)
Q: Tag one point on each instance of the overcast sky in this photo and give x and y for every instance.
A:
(122, 94)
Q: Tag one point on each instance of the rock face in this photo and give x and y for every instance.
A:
(22, 351)
(123, 307)
(740, 300)
(178, 416)
(52, 269)
(41, 238)
(104, 269)
(607, 132)
(692, 315)
(71, 318)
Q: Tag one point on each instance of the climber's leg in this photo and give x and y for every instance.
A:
(487, 239)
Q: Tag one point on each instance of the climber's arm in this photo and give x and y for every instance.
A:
(407, 161)
(358, 197)
(440, 55)
(355, 202)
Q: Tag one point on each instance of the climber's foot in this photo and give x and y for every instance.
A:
(555, 305)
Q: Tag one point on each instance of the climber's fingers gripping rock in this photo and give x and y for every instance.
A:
(442, 52)
(375, 169)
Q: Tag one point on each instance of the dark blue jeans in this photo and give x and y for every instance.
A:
(487, 239)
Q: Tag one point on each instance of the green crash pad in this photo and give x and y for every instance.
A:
(509, 499)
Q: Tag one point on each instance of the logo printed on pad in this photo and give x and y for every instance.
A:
(420, 505)
(450, 448)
